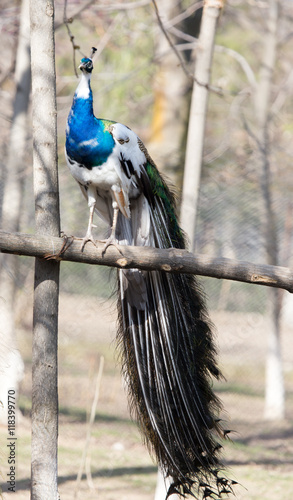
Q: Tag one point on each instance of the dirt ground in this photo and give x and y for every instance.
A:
(118, 466)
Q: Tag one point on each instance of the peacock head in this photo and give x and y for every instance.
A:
(86, 64)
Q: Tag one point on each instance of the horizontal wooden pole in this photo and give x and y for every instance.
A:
(146, 258)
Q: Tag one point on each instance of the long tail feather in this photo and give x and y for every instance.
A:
(168, 356)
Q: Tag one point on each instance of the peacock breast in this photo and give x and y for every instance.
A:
(88, 142)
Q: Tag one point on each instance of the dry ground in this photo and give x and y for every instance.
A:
(119, 467)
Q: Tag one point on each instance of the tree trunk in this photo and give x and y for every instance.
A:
(10, 361)
(197, 117)
(45, 319)
(170, 104)
(274, 392)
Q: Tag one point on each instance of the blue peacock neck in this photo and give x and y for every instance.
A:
(87, 141)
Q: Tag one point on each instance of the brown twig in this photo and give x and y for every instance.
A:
(68, 21)
(106, 8)
(189, 75)
(166, 34)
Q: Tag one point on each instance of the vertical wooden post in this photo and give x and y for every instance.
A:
(45, 322)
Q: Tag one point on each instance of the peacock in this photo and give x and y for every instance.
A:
(164, 332)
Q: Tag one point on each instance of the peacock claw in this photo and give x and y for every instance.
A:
(88, 237)
(110, 241)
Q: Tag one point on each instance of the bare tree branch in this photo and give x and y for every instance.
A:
(103, 42)
(71, 36)
(189, 75)
(106, 8)
(193, 43)
(107, 35)
(184, 15)
(117, 6)
(178, 55)
(284, 91)
(247, 69)
(147, 258)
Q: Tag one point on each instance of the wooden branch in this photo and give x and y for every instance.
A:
(147, 258)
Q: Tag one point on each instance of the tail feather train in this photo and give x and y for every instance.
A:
(168, 357)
